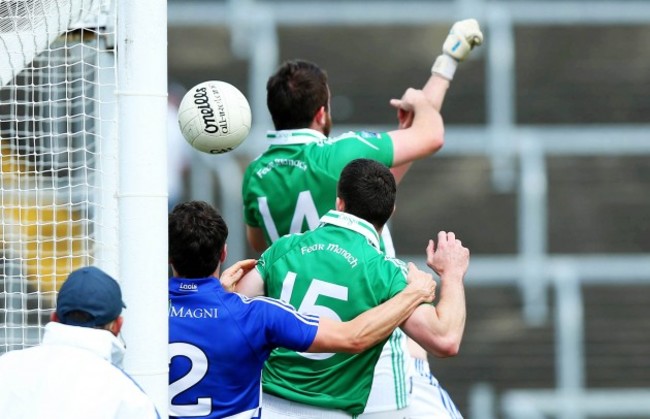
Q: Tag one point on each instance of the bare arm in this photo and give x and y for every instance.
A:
(462, 38)
(424, 137)
(250, 285)
(405, 120)
(371, 327)
(435, 90)
(235, 273)
(440, 329)
(256, 240)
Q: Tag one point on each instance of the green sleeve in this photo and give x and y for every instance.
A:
(357, 145)
(263, 264)
(250, 202)
(398, 282)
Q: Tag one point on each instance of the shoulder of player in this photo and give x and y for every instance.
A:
(278, 156)
(251, 167)
(384, 262)
(289, 240)
(285, 245)
(357, 135)
(398, 263)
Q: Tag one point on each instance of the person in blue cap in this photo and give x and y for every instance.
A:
(76, 372)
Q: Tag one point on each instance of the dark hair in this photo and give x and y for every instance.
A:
(76, 317)
(295, 93)
(368, 189)
(197, 236)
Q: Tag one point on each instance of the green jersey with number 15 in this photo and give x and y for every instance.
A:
(336, 271)
(293, 183)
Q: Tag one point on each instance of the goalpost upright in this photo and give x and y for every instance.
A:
(142, 112)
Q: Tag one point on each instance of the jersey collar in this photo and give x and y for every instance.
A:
(351, 222)
(295, 136)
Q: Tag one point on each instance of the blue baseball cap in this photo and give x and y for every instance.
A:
(93, 291)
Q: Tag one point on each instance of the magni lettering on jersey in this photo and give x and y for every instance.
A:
(193, 313)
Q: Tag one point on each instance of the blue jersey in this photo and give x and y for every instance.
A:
(218, 342)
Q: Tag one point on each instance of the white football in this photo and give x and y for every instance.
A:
(214, 117)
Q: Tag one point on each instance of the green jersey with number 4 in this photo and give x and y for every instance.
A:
(336, 271)
(293, 183)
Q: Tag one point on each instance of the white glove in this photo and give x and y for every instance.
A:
(463, 37)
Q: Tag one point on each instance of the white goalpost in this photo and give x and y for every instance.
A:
(142, 111)
(83, 166)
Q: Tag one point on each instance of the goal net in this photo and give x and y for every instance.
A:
(57, 154)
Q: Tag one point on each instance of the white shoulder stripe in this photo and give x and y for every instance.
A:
(354, 135)
(303, 317)
(399, 263)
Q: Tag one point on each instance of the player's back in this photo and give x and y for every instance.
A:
(293, 183)
(337, 271)
(213, 365)
(287, 190)
(218, 342)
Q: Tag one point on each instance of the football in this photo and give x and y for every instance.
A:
(214, 117)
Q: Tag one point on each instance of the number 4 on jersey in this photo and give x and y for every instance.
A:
(305, 211)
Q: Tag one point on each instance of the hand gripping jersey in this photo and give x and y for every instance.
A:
(336, 270)
(218, 342)
(293, 183)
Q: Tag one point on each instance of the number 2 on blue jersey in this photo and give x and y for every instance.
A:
(198, 369)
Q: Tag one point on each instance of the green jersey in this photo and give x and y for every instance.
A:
(337, 271)
(293, 183)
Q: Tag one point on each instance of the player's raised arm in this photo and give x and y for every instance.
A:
(439, 329)
(424, 137)
(462, 38)
(371, 327)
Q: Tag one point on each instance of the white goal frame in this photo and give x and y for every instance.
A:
(124, 205)
(142, 201)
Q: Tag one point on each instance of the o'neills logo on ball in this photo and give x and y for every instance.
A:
(212, 121)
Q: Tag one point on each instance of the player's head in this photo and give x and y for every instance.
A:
(297, 96)
(90, 297)
(197, 239)
(367, 189)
